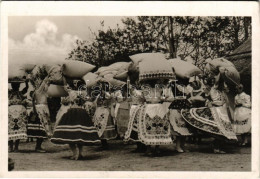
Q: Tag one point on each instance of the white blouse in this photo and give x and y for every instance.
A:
(243, 99)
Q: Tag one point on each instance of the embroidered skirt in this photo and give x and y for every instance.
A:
(17, 119)
(75, 126)
(178, 124)
(104, 123)
(242, 120)
(150, 125)
(214, 120)
(44, 115)
(122, 118)
(132, 127)
(180, 104)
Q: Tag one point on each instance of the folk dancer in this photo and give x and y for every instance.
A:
(17, 115)
(213, 119)
(102, 118)
(75, 126)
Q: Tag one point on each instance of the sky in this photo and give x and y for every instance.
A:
(51, 37)
(73, 25)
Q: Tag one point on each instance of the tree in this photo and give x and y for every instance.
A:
(190, 38)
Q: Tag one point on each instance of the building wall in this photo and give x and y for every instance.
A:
(244, 66)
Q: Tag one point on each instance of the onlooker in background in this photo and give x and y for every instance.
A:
(242, 114)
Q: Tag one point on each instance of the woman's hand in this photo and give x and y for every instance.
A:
(210, 105)
(169, 99)
(107, 95)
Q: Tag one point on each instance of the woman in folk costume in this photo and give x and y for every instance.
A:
(40, 78)
(121, 110)
(196, 93)
(102, 118)
(17, 115)
(179, 94)
(75, 127)
(214, 118)
(242, 115)
(197, 98)
(137, 100)
(35, 128)
(227, 77)
(152, 127)
(118, 98)
(154, 122)
(41, 105)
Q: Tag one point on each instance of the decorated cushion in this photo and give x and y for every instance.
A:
(220, 62)
(108, 72)
(114, 83)
(91, 79)
(226, 68)
(184, 69)
(76, 69)
(122, 76)
(115, 68)
(155, 69)
(231, 75)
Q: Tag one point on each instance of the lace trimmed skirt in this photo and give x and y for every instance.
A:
(104, 123)
(242, 120)
(149, 129)
(17, 119)
(214, 120)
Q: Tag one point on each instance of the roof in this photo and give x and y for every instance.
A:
(243, 51)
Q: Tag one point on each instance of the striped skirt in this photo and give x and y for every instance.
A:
(75, 126)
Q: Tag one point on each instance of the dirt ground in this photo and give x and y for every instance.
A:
(120, 157)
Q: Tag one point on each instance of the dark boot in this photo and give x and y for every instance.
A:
(104, 144)
(138, 147)
(79, 154)
(73, 149)
(38, 147)
(217, 147)
(11, 145)
(143, 147)
(157, 151)
(16, 145)
(149, 151)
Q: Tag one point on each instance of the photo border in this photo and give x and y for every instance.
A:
(131, 8)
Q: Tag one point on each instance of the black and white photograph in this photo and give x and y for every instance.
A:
(130, 93)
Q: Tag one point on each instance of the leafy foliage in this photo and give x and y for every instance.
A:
(191, 38)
